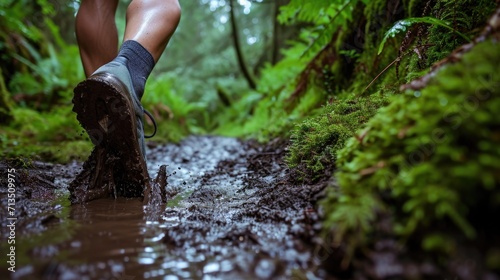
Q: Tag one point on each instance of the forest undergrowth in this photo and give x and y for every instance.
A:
(417, 163)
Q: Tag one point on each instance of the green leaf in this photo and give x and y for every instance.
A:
(403, 25)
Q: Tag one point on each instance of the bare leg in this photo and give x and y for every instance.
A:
(149, 22)
(111, 114)
(152, 23)
(96, 33)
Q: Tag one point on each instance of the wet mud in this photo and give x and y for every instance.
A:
(233, 211)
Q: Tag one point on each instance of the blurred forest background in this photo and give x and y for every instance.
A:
(419, 162)
(199, 85)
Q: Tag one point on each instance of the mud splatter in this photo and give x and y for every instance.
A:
(105, 175)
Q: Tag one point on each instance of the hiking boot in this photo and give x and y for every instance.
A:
(106, 102)
(111, 113)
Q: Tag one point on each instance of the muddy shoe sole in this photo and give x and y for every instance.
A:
(105, 111)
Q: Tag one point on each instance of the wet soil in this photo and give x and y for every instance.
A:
(233, 211)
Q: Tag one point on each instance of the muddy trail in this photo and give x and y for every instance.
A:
(233, 211)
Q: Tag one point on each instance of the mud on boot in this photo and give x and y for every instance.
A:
(110, 112)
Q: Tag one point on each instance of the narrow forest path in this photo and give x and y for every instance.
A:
(233, 212)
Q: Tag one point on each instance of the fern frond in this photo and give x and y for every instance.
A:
(304, 10)
(338, 19)
(403, 25)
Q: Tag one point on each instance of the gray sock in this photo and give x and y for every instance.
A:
(139, 62)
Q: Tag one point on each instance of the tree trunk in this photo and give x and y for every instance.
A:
(237, 47)
(282, 33)
(276, 32)
(5, 107)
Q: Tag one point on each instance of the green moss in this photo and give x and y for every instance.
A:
(315, 141)
(56, 136)
(67, 151)
(433, 154)
(53, 136)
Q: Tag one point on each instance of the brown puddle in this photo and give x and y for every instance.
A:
(114, 237)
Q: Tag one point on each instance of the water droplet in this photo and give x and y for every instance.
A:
(211, 267)
(443, 101)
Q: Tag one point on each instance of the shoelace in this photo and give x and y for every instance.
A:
(154, 124)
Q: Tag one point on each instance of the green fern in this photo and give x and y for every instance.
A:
(403, 25)
(304, 10)
(47, 74)
(327, 16)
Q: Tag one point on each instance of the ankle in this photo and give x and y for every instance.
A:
(138, 61)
